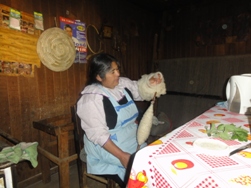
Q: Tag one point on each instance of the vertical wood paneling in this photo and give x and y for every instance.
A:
(60, 8)
(50, 93)
(27, 6)
(23, 126)
(34, 105)
(42, 86)
(58, 92)
(36, 7)
(186, 26)
(52, 13)
(71, 86)
(77, 78)
(83, 76)
(16, 5)
(14, 127)
(248, 42)
(44, 10)
(6, 2)
(4, 101)
(64, 90)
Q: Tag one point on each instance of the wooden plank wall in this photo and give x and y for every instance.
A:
(182, 26)
(47, 94)
(196, 84)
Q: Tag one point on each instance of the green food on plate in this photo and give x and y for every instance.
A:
(227, 132)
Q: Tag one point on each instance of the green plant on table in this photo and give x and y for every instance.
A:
(227, 132)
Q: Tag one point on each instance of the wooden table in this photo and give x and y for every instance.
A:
(58, 126)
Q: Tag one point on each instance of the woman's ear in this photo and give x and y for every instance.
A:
(98, 78)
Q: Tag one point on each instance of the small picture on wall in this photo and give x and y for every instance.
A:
(15, 17)
(5, 21)
(15, 68)
(107, 31)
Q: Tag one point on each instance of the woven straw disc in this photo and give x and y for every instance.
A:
(56, 49)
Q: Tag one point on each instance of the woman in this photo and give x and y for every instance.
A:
(108, 114)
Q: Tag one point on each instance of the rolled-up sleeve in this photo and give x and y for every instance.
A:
(91, 112)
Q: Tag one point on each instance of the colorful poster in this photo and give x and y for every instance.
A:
(76, 30)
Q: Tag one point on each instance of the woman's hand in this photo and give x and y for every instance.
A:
(122, 156)
(155, 79)
(125, 159)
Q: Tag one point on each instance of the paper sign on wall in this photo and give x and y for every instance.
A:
(76, 30)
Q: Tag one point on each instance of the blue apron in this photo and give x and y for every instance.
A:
(99, 161)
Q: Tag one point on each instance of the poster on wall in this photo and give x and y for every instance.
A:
(38, 19)
(15, 17)
(76, 30)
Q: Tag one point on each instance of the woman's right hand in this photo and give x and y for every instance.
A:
(155, 79)
(122, 156)
(125, 159)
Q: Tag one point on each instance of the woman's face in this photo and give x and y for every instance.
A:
(111, 79)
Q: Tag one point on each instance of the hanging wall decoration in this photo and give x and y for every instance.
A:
(92, 32)
(106, 31)
(56, 49)
(76, 30)
(38, 18)
(15, 17)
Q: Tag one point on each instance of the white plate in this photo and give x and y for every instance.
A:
(211, 145)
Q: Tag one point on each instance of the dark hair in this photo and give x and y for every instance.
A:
(100, 64)
(67, 26)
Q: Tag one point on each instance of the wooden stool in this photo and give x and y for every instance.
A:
(58, 126)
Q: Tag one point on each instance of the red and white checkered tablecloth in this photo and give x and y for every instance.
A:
(174, 162)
